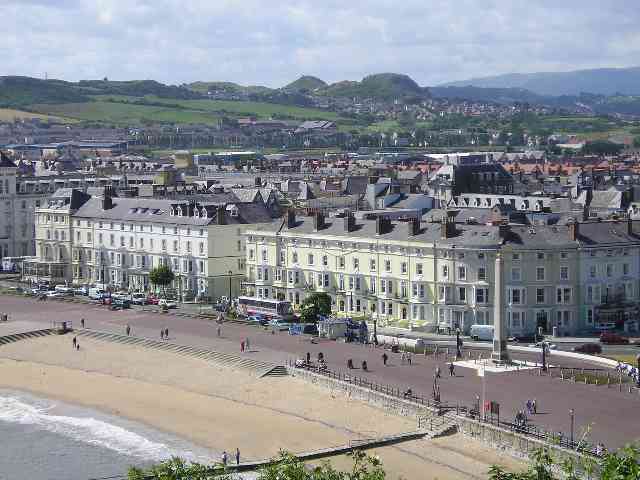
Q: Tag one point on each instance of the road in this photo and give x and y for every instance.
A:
(605, 412)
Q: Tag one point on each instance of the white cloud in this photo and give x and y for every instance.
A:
(272, 43)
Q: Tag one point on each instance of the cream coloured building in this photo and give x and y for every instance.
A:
(435, 275)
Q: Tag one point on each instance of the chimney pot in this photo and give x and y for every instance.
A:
(220, 217)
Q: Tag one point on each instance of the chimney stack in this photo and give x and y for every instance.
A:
(503, 230)
(383, 225)
(318, 221)
(574, 230)
(291, 218)
(220, 218)
(447, 226)
(107, 200)
(629, 226)
(413, 227)
(349, 222)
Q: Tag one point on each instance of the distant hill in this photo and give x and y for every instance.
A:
(603, 81)
(385, 86)
(497, 95)
(306, 83)
(227, 87)
(16, 92)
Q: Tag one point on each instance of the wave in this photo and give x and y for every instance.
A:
(88, 430)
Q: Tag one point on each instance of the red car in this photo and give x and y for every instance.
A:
(152, 300)
(613, 338)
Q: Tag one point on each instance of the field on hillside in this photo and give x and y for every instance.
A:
(9, 115)
(123, 113)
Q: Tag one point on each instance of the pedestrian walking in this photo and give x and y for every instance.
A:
(403, 358)
(438, 371)
(128, 330)
(78, 346)
(166, 334)
(74, 341)
(237, 456)
(82, 322)
(242, 346)
(308, 358)
(224, 458)
(219, 330)
(534, 405)
(162, 334)
(246, 344)
(409, 358)
(385, 357)
(529, 407)
(452, 369)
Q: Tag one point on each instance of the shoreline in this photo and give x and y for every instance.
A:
(218, 408)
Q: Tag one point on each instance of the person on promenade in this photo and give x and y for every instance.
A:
(308, 358)
(77, 346)
(242, 346)
(246, 344)
(128, 330)
(237, 456)
(385, 357)
(529, 406)
(438, 371)
(409, 358)
(166, 334)
(452, 369)
(219, 330)
(534, 406)
(82, 322)
(162, 334)
(224, 458)
(75, 340)
(403, 358)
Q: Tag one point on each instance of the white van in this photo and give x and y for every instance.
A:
(482, 332)
(96, 293)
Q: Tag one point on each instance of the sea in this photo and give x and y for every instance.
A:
(43, 439)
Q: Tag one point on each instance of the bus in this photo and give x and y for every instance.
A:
(268, 307)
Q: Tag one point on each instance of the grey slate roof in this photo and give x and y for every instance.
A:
(5, 162)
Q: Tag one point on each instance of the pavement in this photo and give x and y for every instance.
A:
(603, 412)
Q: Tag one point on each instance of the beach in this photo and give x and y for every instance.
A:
(221, 408)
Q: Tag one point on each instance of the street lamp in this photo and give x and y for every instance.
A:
(458, 344)
(572, 415)
(230, 273)
(543, 345)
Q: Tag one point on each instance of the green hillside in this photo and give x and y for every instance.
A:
(226, 87)
(385, 86)
(306, 83)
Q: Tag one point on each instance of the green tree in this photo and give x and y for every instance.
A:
(602, 147)
(162, 276)
(314, 305)
(636, 142)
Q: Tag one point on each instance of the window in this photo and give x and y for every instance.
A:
(563, 255)
(122, 241)
(445, 271)
(356, 264)
(540, 274)
(89, 237)
(112, 239)
(387, 265)
(516, 319)
(516, 296)
(78, 236)
(372, 284)
(294, 257)
(340, 262)
(516, 274)
(462, 294)
(389, 287)
(403, 289)
(383, 286)
(188, 246)
(341, 282)
(442, 293)
(564, 273)
(589, 294)
(625, 269)
(593, 271)
(609, 270)
(540, 296)
(590, 316)
(250, 253)
(516, 257)
(482, 273)
(563, 295)
(403, 267)
(372, 264)
(418, 269)
(175, 246)
(481, 256)
(540, 256)
(414, 289)
(310, 259)
(350, 283)
(325, 260)
(462, 272)
(264, 255)
(200, 247)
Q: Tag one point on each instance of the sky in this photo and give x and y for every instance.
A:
(273, 42)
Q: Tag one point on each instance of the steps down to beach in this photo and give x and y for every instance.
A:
(225, 359)
(16, 337)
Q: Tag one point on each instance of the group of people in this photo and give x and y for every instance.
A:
(629, 370)
(245, 346)
(75, 343)
(164, 334)
(225, 457)
(532, 406)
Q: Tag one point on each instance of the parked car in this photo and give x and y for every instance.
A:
(57, 294)
(524, 339)
(279, 324)
(163, 302)
(152, 300)
(97, 294)
(121, 303)
(613, 338)
(81, 291)
(139, 299)
(259, 319)
(310, 329)
(63, 289)
(589, 348)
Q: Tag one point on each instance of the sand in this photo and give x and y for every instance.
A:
(221, 408)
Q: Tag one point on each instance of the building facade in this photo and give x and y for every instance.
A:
(440, 275)
(84, 240)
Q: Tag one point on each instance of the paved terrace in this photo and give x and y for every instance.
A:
(608, 412)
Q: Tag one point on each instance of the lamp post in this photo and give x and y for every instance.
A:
(572, 416)
(230, 273)
(543, 345)
(458, 344)
(375, 328)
